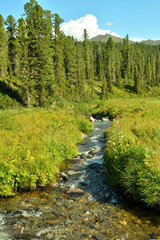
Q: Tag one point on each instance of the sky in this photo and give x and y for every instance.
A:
(140, 19)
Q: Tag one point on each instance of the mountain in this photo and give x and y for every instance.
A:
(151, 42)
(104, 38)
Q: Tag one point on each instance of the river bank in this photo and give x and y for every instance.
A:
(82, 207)
(34, 143)
(133, 147)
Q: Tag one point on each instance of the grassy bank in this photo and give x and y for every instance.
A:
(33, 144)
(132, 152)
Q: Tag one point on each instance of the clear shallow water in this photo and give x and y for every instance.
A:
(83, 207)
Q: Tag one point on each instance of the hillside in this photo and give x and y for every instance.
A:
(104, 38)
(151, 42)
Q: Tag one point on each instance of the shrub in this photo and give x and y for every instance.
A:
(133, 148)
(34, 143)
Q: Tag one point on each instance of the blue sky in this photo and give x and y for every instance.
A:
(138, 18)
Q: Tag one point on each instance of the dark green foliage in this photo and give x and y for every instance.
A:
(39, 29)
(3, 50)
(40, 64)
(70, 64)
(12, 45)
(58, 48)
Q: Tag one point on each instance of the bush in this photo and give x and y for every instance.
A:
(133, 148)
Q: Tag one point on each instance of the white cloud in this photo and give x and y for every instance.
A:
(115, 34)
(109, 23)
(136, 39)
(76, 28)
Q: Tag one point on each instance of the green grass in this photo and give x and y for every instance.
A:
(33, 144)
(133, 147)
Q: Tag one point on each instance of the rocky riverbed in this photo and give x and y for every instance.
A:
(81, 206)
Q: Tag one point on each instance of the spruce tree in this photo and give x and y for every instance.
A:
(70, 64)
(110, 64)
(23, 73)
(39, 30)
(118, 62)
(126, 59)
(87, 55)
(58, 48)
(12, 45)
(80, 70)
(158, 69)
(89, 59)
(3, 50)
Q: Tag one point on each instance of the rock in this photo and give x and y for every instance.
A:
(18, 227)
(71, 172)
(83, 155)
(52, 185)
(64, 176)
(105, 119)
(92, 119)
(93, 151)
(84, 135)
(75, 192)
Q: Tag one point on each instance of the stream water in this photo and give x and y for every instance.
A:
(81, 206)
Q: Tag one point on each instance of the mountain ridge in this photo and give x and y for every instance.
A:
(104, 38)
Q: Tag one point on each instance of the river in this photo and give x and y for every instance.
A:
(81, 206)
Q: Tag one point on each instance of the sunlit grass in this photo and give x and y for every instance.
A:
(33, 144)
(132, 153)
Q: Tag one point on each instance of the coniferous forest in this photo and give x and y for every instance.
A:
(41, 69)
(38, 63)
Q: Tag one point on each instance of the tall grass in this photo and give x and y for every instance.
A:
(33, 144)
(132, 152)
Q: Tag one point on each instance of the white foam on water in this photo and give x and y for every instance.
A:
(26, 213)
(3, 234)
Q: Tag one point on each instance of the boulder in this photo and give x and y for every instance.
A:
(75, 192)
(92, 119)
(105, 119)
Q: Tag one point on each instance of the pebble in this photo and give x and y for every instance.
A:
(93, 151)
(64, 176)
